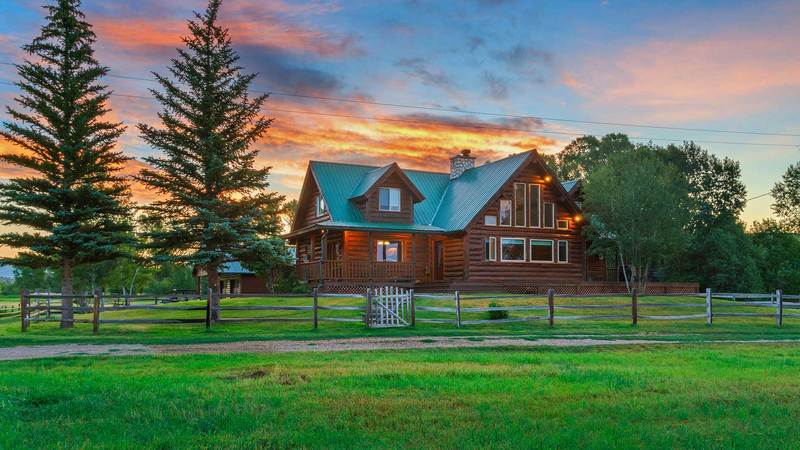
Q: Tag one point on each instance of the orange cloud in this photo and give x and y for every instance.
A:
(148, 35)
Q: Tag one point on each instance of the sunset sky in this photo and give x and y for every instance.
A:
(723, 65)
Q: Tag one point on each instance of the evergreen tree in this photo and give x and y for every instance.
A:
(75, 203)
(215, 206)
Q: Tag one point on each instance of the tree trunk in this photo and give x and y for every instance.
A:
(66, 295)
(212, 270)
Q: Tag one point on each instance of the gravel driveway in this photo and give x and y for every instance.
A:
(322, 345)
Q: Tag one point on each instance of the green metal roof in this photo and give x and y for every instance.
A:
(369, 179)
(467, 195)
(449, 205)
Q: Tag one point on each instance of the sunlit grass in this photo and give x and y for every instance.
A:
(691, 396)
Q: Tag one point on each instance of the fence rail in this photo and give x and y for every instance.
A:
(41, 307)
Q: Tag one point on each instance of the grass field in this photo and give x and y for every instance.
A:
(688, 330)
(688, 396)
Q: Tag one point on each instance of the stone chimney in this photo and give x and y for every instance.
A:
(461, 163)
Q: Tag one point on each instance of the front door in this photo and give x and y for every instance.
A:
(438, 261)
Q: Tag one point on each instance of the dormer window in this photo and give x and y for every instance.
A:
(389, 199)
(322, 208)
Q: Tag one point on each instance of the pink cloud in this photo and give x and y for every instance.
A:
(733, 71)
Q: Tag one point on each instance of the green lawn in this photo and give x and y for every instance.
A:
(688, 396)
(694, 329)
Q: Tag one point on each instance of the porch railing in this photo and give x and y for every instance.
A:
(355, 271)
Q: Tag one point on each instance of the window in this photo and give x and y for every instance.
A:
(549, 215)
(534, 200)
(519, 204)
(388, 251)
(490, 220)
(563, 224)
(322, 208)
(563, 251)
(505, 212)
(512, 249)
(490, 249)
(541, 250)
(389, 199)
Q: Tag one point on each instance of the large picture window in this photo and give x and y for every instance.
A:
(505, 213)
(563, 251)
(549, 215)
(490, 249)
(512, 249)
(534, 203)
(388, 251)
(389, 199)
(541, 250)
(519, 204)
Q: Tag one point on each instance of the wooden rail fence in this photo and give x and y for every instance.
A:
(37, 307)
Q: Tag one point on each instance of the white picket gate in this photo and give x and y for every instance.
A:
(389, 306)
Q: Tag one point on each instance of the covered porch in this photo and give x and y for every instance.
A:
(364, 257)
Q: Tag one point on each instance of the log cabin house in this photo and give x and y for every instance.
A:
(509, 222)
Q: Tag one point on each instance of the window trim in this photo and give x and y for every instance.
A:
(524, 252)
(378, 243)
(538, 203)
(552, 251)
(399, 199)
(491, 241)
(559, 227)
(558, 251)
(553, 212)
(500, 213)
(489, 224)
(320, 200)
(524, 206)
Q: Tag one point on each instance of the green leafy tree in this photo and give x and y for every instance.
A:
(787, 199)
(637, 204)
(779, 254)
(75, 203)
(723, 257)
(215, 204)
(715, 184)
(584, 154)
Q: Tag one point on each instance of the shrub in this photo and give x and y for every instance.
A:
(497, 315)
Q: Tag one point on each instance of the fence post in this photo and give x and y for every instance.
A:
(635, 306)
(709, 312)
(551, 307)
(413, 308)
(48, 309)
(208, 308)
(96, 312)
(23, 308)
(779, 312)
(458, 309)
(315, 309)
(368, 310)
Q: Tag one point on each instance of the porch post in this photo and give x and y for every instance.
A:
(323, 243)
(413, 259)
(372, 259)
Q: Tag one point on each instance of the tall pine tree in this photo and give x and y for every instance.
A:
(215, 206)
(75, 204)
